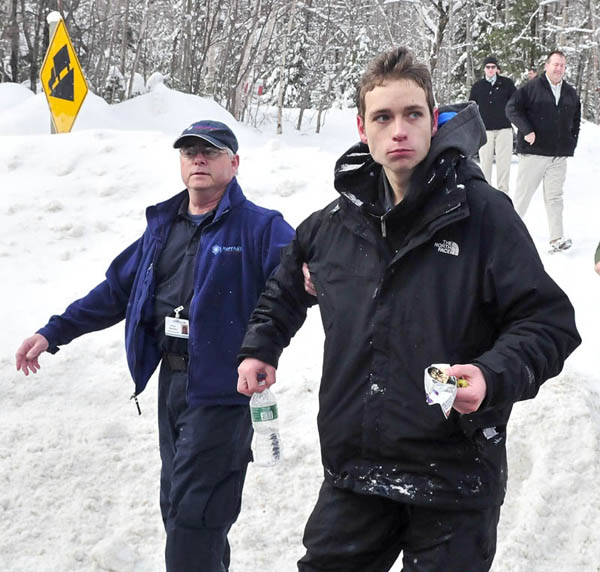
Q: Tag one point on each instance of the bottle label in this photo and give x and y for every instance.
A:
(264, 413)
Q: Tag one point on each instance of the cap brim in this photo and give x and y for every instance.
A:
(179, 141)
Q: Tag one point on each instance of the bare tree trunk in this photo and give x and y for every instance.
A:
(282, 80)
(384, 19)
(206, 63)
(138, 49)
(104, 64)
(448, 53)
(305, 102)
(262, 54)
(33, 39)
(124, 35)
(252, 82)
(595, 62)
(470, 75)
(186, 46)
(544, 25)
(584, 92)
(13, 33)
(305, 97)
(243, 69)
(222, 80)
(565, 23)
(439, 35)
(322, 105)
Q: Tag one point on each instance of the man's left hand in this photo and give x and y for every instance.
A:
(468, 399)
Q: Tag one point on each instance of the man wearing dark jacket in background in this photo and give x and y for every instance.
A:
(186, 289)
(491, 94)
(419, 261)
(547, 113)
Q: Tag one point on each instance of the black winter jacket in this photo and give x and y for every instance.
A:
(492, 100)
(533, 108)
(456, 279)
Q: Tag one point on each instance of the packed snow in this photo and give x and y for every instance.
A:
(79, 469)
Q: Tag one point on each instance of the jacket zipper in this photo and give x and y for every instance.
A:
(135, 334)
(202, 233)
(137, 403)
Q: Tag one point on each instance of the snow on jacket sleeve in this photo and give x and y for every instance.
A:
(281, 308)
(102, 307)
(534, 317)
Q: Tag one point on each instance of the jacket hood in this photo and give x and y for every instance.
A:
(462, 134)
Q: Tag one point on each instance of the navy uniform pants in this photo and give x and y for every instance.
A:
(205, 452)
(348, 532)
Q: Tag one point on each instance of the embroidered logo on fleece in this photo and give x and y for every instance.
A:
(447, 247)
(219, 249)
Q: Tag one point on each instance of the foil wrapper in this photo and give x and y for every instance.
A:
(440, 388)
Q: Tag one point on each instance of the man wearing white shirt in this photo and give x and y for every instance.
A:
(547, 113)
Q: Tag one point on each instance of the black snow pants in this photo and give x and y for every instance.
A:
(349, 532)
(205, 453)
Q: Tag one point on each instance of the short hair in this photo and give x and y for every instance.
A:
(557, 53)
(396, 63)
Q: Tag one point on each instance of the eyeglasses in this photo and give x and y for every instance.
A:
(191, 151)
(491, 67)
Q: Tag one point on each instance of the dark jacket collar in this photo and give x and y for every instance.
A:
(159, 216)
(357, 176)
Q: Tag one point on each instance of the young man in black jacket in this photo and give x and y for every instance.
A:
(547, 113)
(491, 94)
(418, 261)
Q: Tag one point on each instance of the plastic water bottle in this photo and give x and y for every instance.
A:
(265, 420)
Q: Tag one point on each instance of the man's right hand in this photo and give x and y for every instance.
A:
(252, 371)
(308, 283)
(28, 353)
(530, 138)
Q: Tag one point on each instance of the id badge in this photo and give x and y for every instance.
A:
(177, 327)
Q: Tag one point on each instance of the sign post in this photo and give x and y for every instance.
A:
(61, 76)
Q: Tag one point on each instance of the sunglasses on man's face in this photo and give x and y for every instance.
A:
(490, 67)
(190, 151)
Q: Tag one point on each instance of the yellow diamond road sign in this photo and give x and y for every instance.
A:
(62, 80)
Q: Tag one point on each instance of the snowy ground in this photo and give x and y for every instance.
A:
(79, 468)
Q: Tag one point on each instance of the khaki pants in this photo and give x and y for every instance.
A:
(533, 169)
(500, 141)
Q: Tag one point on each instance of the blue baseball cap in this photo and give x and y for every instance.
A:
(214, 132)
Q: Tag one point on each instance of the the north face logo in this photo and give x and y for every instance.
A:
(447, 247)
